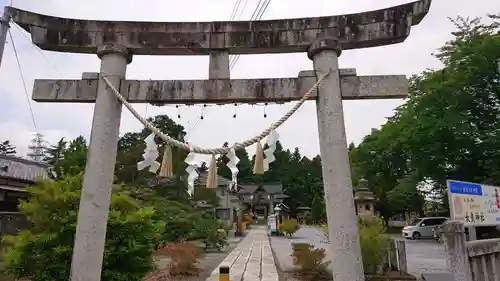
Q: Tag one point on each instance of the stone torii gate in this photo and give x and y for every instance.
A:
(323, 38)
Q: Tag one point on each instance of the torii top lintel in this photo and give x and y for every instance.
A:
(361, 30)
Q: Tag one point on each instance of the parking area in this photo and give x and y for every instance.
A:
(422, 255)
(425, 256)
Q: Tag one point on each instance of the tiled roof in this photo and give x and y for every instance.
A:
(245, 189)
(22, 169)
(269, 188)
(202, 180)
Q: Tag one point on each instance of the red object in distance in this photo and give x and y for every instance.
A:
(497, 198)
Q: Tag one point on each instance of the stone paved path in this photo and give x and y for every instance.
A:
(251, 260)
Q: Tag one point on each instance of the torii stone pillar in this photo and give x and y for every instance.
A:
(342, 228)
(90, 235)
(4, 29)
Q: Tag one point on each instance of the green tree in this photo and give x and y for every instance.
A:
(70, 161)
(44, 252)
(406, 196)
(131, 147)
(7, 148)
(447, 129)
(245, 167)
(382, 160)
(318, 211)
(55, 153)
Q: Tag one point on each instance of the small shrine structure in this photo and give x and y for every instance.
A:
(260, 200)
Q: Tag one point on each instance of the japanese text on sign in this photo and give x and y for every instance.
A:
(473, 203)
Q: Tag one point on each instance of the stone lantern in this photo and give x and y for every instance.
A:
(364, 199)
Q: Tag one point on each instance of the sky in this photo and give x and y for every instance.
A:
(56, 120)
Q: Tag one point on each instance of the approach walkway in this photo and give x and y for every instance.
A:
(251, 260)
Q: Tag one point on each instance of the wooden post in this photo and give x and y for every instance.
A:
(456, 248)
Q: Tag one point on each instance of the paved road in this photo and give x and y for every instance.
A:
(425, 256)
(422, 255)
(251, 260)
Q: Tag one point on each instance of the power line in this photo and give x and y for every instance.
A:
(232, 16)
(257, 7)
(243, 9)
(23, 80)
(259, 11)
(38, 49)
(235, 9)
(233, 59)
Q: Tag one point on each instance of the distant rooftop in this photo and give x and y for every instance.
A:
(203, 177)
(271, 188)
(17, 168)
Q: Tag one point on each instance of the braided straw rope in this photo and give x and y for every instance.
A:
(220, 150)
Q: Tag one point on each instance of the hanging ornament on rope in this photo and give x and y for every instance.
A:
(150, 155)
(258, 168)
(212, 173)
(271, 140)
(166, 169)
(232, 165)
(191, 171)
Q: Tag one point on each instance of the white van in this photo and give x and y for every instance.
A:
(422, 227)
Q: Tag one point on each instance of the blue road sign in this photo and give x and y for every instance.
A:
(466, 188)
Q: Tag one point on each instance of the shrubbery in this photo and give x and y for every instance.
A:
(183, 221)
(373, 242)
(44, 252)
(207, 228)
(183, 258)
(289, 227)
(310, 262)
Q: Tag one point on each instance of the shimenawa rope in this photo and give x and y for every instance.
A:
(220, 150)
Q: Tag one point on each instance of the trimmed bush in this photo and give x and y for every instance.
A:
(310, 262)
(289, 227)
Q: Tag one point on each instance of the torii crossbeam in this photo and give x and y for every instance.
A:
(115, 42)
(221, 91)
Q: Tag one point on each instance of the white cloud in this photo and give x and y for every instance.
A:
(218, 125)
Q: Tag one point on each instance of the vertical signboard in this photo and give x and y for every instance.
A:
(271, 220)
(473, 203)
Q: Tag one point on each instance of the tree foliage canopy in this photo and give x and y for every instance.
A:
(7, 148)
(448, 128)
(44, 252)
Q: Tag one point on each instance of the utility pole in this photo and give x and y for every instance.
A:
(4, 29)
(37, 148)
